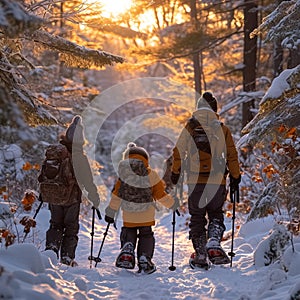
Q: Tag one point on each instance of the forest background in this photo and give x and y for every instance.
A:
(57, 57)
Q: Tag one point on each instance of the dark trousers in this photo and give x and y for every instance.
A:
(145, 237)
(205, 199)
(63, 231)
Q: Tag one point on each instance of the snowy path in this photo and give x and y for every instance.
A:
(221, 282)
(27, 279)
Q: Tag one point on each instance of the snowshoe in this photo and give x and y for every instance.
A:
(146, 265)
(66, 260)
(199, 262)
(217, 255)
(126, 258)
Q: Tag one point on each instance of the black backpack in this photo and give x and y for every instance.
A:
(135, 189)
(57, 176)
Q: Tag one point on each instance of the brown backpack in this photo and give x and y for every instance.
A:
(205, 155)
(57, 176)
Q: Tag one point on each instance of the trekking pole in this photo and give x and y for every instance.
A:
(98, 259)
(172, 267)
(91, 257)
(234, 198)
(38, 209)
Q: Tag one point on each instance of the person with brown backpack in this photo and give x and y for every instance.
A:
(206, 152)
(61, 189)
(135, 192)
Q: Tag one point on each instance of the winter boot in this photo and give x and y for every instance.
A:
(146, 265)
(215, 252)
(199, 259)
(126, 258)
(66, 260)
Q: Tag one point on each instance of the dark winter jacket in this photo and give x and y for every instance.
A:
(82, 173)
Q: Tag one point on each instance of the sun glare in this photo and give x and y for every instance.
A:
(113, 8)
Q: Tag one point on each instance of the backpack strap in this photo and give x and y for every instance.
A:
(193, 123)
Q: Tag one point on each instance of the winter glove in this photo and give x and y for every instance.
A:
(94, 198)
(176, 204)
(109, 219)
(109, 215)
(175, 178)
(234, 182)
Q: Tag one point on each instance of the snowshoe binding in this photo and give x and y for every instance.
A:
(217, 256)
(146, 265)
(126, 258)
(199, 261)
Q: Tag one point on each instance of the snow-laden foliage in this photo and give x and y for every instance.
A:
(241, 98)
(290, 260)
(265, 203)
(14, 20)
(280, 105)
(24, 31)
(11, 162)
(6, 211)
(283, 24)
(271, 248)
(74, 55)
(273, 135)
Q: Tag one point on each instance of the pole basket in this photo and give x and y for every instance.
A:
(95, 259)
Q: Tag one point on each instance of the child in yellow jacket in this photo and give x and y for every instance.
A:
(138, 218)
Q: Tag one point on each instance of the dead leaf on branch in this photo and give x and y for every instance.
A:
(28, 223)
(28, 199)
(8, 236)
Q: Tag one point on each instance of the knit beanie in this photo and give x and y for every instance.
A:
(132, 148)
(208, 98)
(74, 133)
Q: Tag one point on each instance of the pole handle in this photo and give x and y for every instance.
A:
(234, 194)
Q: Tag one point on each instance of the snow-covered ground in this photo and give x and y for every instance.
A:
(31, 273)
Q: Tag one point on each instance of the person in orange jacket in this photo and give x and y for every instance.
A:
(137, 223)
(206, 178)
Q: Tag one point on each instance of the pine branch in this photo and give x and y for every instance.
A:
(14, 20)
(73, 54)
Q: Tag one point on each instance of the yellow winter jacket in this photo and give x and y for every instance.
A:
(147, 217)
(222, 145)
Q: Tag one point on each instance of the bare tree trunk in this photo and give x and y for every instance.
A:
(61, 15)
(196, 56)
(250, 56)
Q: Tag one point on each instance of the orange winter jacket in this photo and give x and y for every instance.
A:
(147, 217)
(223, 145)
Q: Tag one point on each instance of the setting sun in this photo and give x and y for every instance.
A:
(113, 8)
